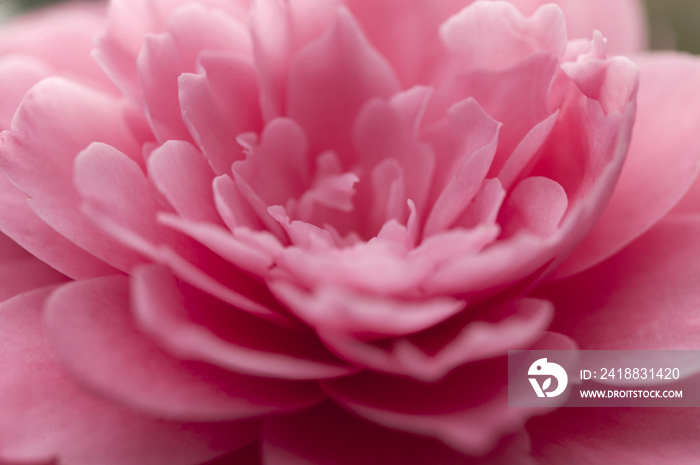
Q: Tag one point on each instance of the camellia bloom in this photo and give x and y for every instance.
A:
(308, 231)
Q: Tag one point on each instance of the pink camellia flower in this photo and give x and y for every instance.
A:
(308, 231)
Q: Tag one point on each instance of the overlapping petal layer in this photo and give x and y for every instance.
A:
(330, 218)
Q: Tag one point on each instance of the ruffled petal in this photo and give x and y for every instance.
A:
(91, 329)
(431, 354)
(199, 327)
(128, 22)
(622, 22)
(37, 156)
(496, 36)
(109, 181)
(192, 28)
(659, 168)
(390, 130)
(215, 111)
(335, 310)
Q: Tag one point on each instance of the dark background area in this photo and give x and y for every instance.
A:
(673, 24)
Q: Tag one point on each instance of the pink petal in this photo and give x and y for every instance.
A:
(38, 396)
(216, 111)
(485, 207)
(337, 310)
(113, 184)
(386, 130)
(518, 97)
(93, 334)
(328, 435)
(37, 156)
(333, 191)
(629, 436)
(249, 455)
(304, 235)
(18, 73)
(198, 327)
(21, 272)
(409, 41)
(119, 199)
(277, 167)
(192, 28)
(591, 76)
(469, 417)
(525, 154)
(616, 304)
(231, 205)
(622, 22)
(389, 194)
(442, 247)
(60, 37)
(279, 30)
(428, 356)
(19, 222)
(211, 273)
(376, 267)
(121, 39)
(495, 35)
(462, 132)
(527, 259)
(537, 205)
(658, 170)
(334, 76)
(221, 242)
(182, 175)
(471, 169)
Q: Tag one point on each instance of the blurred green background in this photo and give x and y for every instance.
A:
(674, 24)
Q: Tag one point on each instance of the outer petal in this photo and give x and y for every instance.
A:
(37, 398)
(92, 331)
(645, 297)
(662, 162)
(582, 436)
(21, 272)
(326, 435)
